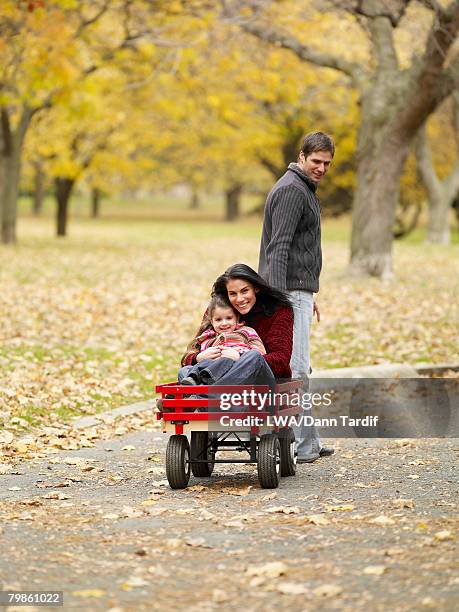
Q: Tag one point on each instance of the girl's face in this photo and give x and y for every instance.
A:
(224, 320)
(242, 295)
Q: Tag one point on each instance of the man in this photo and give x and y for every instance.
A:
(291, 258)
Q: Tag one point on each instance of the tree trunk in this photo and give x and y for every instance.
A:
(11, 172)
(63, 190)
(39, 191)
(10, 169)
(455, 207)
(95, 202)
(194, 200)
(383, 153)
(441, 193)
(438, 231)
(233, 197)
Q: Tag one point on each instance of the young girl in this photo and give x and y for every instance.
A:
(219, 342)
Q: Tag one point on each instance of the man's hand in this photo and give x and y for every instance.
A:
(213, 352)
(316, 311)
(230, 353)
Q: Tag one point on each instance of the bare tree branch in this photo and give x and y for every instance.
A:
(382, 40)
(442, 35)
(84, 23)
(432, 5)
(393, 10)
(271, 166)
(282, 39)
(6, 131)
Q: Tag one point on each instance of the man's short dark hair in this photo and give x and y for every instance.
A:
(317, 141)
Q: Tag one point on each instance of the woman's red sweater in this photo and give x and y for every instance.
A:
(276, 333)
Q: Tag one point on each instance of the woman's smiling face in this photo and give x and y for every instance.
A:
(241, 294)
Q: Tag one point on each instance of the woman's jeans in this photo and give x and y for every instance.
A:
(250, 369)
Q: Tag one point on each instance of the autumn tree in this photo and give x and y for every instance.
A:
(46, 48)
(42, 53)
(397, 92)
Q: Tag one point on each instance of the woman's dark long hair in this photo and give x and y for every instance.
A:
(268, 297)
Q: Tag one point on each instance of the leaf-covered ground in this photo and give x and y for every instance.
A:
(95, 320)
(374, 527)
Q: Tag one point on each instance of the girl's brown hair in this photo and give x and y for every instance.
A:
(217, 301)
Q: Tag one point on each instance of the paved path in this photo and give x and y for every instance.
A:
(372, 528)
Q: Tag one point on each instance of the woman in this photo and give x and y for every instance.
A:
(269, 312)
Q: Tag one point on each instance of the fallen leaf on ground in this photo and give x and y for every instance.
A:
(55, 495)
(157, 570)
(196, 488)
(89, 593)
(31, 502)
(238, 492)
(291, 588)
(234, 523)
(220, 596)
(327, 590)
(317, 519)
(283, 510)
(157, 511)
(6, 437)
(443, 536)
(73, 461)
(130, 512)
(134, 582)
(270, 570)
(340, 508)
(382, 520)
(205, 515)
(375, 570)
(197, 543)
(403, 503)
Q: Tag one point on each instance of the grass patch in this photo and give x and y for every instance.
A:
(97, 319)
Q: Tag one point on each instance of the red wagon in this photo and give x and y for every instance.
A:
(261, 432)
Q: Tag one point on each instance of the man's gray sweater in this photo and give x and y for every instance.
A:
(290, 251)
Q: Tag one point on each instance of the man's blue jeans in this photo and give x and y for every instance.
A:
(307, 437)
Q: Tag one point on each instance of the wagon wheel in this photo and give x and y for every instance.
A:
(269, 461)
(201, 449)
(178, 462)
(288, 452)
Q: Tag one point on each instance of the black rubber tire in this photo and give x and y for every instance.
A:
(269, 461)
(200, 449)
(178, 462)
(288, 452)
